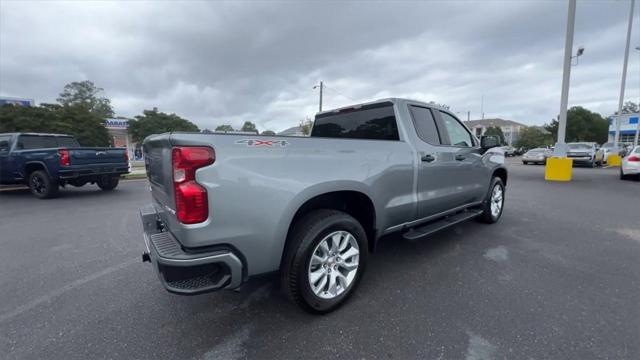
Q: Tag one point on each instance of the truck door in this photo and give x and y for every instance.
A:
(469, 176)
(6, 172)
(437, 169)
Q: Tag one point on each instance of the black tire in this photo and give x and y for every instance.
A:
(487, 217)
(525, 163)
(305, 235)
(42, 186)
(622, 175)
(108, 183)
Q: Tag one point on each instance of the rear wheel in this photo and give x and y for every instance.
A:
(41, 185)
(494, 202)
(525, 163)
(324, 260)
(108, 183)
(622, 175)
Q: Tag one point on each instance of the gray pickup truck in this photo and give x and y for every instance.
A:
(227, 207)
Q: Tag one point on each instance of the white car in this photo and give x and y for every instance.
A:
(631, 164)
(536, 156)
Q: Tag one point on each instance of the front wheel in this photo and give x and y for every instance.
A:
(494, 202)
(324, 260)
(108, 183)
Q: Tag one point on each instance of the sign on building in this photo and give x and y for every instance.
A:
(116, 124)
(16, 101)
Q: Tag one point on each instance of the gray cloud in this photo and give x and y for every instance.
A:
(219, 63)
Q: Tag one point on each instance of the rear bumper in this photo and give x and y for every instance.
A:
(580, 159)
(73, 172)
(184, 272)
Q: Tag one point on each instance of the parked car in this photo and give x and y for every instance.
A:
(630, 166)
(509, 151)
(46, 162)
(536, 156)
(228, 207)
(607, 149)
(585, 153)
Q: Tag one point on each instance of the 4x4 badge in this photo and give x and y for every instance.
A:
(261, 143)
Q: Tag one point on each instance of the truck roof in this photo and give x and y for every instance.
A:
(393, 100)
(35, 134)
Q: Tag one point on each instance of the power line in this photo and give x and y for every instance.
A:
(339, 93)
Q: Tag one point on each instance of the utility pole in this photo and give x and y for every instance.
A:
(321, 86)
(616, 139)
(561, 148)
(635, 139)
(482, 107)
(468, 115)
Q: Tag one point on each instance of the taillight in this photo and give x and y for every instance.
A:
(126, 156)
(192, 205)
(633, 158)
(64, 157)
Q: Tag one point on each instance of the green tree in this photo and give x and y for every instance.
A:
(306, 126)
(156, 122)
(75, 120)
(629, 107)
(582, 125)
(225, 128)
(533, 137)
(249, 127)
(496, 131)
(268, 132)
(86, 94)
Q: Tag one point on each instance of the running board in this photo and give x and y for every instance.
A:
(422, 231)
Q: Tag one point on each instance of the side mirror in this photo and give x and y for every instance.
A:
(489, 141)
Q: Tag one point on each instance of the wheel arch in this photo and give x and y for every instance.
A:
(501, 173)
(354, 202)
(32, 166)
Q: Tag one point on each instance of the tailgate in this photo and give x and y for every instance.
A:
(157, 161)
(87, 156)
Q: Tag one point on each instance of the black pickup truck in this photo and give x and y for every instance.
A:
(46, 162)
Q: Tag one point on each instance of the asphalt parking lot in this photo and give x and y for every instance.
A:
(557, 278)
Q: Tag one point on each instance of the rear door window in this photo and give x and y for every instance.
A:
(67, 142)
(374, 122)
(425, 124)
(29, 142)
(458, 135)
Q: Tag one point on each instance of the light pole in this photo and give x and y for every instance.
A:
(616, 139)
(559, 167)
(468, 112)
(321, 86)
(560, 149)
(635, 139)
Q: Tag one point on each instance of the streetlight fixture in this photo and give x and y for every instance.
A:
(579, 53)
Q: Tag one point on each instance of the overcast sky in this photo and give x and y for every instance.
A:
(216, 63)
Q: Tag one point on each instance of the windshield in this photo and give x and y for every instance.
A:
(579, 146)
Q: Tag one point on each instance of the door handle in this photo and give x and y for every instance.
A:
(428, 158)
(460, 157)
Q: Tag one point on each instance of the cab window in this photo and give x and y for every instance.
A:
(458, 135)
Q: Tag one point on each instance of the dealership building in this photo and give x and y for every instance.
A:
(628, 127)
(118, 130)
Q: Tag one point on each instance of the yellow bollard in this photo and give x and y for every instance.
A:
(558, 169)
(614, 160)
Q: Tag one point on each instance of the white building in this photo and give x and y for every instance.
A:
(509, 128)
(628, 127)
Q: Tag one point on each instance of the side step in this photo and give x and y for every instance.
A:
(422, 231)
